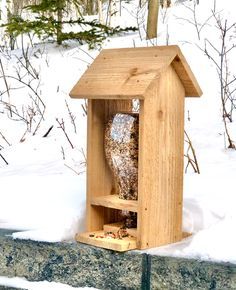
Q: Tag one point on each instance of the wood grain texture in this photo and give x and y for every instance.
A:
(161, 162)
(183, 69)
(113, 201)
(99, 178)
(125, 244)
(95, 128)
(127, 73)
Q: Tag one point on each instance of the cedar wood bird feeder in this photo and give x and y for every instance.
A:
(160, 78)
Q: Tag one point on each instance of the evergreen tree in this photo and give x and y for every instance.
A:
(49, 21)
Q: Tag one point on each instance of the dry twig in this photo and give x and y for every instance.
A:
(72, 117)
(4, 138)
(62, 126)
(4, 159)
(48, 131)
(85, 107)
(7, 87)
(191, 160)
(219, 57)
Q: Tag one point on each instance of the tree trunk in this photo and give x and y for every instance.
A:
(10, 9)
(112, 12)
(100, 15)
(141, 3)
(3, 11)
(90, 7)
(152, 20)
(165, 3)
(60, 6)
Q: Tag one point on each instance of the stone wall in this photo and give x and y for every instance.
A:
(81, 265)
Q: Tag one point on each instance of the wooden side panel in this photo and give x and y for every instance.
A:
(161, 162)
(99, 178)
(98, 181)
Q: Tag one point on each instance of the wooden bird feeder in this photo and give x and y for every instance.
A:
(160, 78)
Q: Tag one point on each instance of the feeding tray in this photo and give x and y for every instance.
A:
(122, 244)
(108, 238)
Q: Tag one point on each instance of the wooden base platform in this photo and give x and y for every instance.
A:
(97, 239)
(111, 242)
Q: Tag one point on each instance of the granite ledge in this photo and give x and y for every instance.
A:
(80, 265)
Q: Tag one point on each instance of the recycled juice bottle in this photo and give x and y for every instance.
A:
(121, 151)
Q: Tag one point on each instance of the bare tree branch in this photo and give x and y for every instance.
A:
(4, 159)
(193, 161)
(62, 126)
(6, 84)
(72, 117)
(4, 138)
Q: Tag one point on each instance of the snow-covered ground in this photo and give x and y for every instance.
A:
(43, 186)
(44, 285)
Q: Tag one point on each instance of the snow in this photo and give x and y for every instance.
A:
(43, 187)
(44, 285)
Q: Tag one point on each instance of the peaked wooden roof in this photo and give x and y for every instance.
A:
(128, 72)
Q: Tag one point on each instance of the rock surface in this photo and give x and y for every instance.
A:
(172, 273)
(70, 263)
(81, 265)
